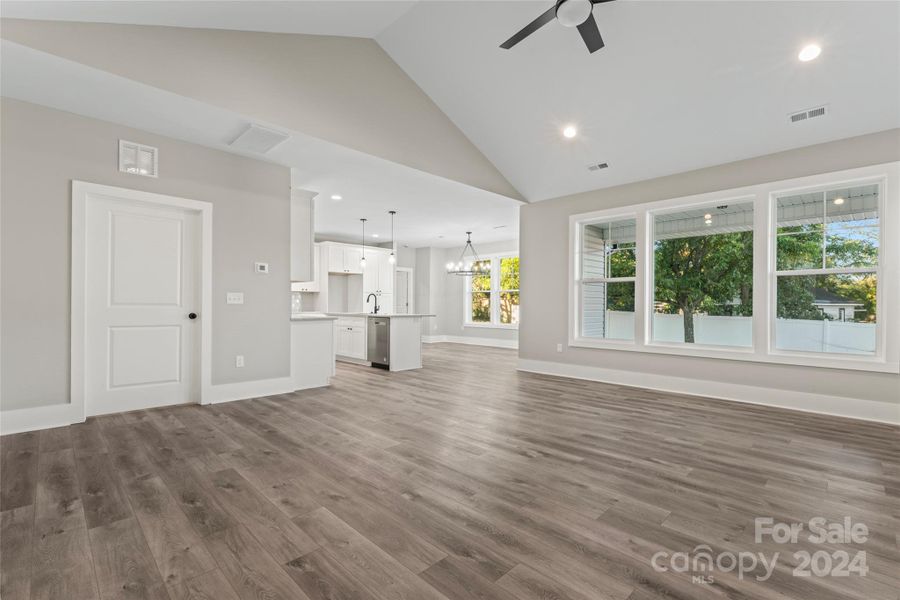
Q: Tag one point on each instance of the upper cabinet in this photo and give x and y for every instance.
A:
(378, 277)
(302, 222)
(314, 283)
(344, 259)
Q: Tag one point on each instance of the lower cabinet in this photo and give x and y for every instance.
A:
(350, 338)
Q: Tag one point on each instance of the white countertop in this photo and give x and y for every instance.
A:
(362, 314)
(312, 317)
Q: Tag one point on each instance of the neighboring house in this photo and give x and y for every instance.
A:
(835, 307)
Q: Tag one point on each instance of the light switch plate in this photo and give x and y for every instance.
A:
(234, 297)
(261, 267)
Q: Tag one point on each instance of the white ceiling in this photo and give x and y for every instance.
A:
(679, 85)
(356, 18)
(431, 211)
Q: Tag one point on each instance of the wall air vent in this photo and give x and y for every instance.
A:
(811, 113)
(258, 139)
(138, 159)
(598, 166)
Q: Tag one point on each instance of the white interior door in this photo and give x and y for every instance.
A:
(401, 293)
(142, 265)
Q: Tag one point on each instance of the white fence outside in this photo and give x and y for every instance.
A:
(790, 334)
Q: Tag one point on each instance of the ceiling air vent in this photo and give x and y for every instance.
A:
(258, 139)
(810, 113)
(138, 159)
(598, 166)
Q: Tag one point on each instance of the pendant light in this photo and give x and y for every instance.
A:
(362, 261)
(392, 258)
(468, 263)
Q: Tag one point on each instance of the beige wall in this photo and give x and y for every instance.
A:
(43, 150)
(544, 279)
(442, 294)
(341, 89)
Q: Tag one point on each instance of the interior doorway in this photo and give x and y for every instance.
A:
(404, 290)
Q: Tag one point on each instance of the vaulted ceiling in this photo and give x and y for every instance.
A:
(679, 85)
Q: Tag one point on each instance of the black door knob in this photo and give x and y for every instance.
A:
(192, 315)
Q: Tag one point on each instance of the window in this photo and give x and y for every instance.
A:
(492, 297)
(509, 290)
(826, 277)
(703, 275)
(606, 281)
(788, 272)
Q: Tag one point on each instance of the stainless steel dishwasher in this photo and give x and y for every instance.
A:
(379, 342)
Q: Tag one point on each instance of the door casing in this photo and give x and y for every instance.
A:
(82, 193)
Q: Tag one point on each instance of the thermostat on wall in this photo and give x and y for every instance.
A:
(262, 267)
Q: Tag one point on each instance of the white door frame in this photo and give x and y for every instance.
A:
(81, 192)
(410, 288)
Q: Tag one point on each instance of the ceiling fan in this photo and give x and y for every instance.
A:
(570, 13)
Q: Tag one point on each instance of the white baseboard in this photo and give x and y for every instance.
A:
(60, 415)
(472, 341)
(242, 390)
(855, 408)
(39, 417)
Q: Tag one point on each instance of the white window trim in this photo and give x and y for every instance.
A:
(887, 355)
(494, 293)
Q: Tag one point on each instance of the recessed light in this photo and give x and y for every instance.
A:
(570, 131)
(810, 52)
(838, 201)
(374, 235)
(337, 197)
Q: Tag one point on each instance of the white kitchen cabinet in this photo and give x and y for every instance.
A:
(378, 277)
(385, 276)
(302, 248)
(344, 259)
(350, 338)
(370, 273)
(352, 256)
(315, 283)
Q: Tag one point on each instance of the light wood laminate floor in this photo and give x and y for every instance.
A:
(463, 480)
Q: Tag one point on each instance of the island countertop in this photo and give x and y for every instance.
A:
(312, 317)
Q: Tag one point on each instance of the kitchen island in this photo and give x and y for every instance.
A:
(392, 342)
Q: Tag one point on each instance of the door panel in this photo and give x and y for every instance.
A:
(141, 284)
(143, 355)
(145, 258)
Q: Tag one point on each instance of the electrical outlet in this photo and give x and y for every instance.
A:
(559, 347)
(234, 297)
(239, 361)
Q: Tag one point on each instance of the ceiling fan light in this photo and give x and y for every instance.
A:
(572, 13)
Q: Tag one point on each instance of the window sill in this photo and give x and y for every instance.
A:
(490, 326)
(824, 361)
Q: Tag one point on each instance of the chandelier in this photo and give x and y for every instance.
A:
(468, 263)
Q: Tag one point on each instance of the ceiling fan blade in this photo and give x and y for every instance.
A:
(530, 28)
(590, 33)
